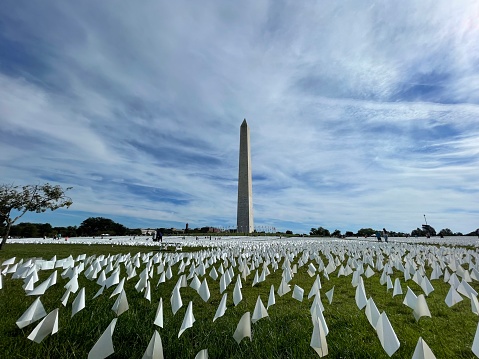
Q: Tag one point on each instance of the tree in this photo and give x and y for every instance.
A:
(31, 230)
(321, 232)
(336, 233)
(426, 231)
(418, 233)
(366, 232)
(445, 232)
(96, 226)
(135, 232)
(30, 198)
(430, 231)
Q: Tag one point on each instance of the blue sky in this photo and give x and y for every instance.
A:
(361, 114)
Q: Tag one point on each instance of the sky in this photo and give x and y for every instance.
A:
(361, 114)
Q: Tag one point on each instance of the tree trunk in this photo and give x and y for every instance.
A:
(5, 236)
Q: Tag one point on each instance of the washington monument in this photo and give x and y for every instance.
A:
(244, 219)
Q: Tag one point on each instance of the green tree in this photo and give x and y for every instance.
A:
(366, 232)
(15, 201)
(418, 233)
(28, 230)
(70, 231)
(428, 230)
(95, 226)
(445, 232)
(336, 233)
(321, 232)
(45, 229)
(135, 232)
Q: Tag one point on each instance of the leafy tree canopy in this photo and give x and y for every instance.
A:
(321, 232)
(96, 226)
(366, 232)
(336, 233)
(15, 201)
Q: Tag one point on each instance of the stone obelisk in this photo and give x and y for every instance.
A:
(244, 219)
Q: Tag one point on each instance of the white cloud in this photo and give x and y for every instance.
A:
(360, 114)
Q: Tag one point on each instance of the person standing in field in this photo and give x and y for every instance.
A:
(378, 236)
(385, 234)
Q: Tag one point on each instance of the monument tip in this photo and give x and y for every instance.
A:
(244, 123)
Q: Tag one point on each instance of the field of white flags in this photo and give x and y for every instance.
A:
(239, 297)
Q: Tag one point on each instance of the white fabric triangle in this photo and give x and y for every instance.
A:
(202, 354)
(452, 297)
(372, 312)
(41, 288)
(329, 295)
(360, 296)
(243, 329)
(155, 347)
(159, 314)
(318, 339)
(465, 289)
(34, 312)
(389, 283)
(188, 320)
(213, 273)
(65, 297)
(318, 314)
(474, 305)
(271, 298)
(104, 345)
(221, 307)
(421, 309)
(283, 288)
(259, 311)
(298, 293)
(147, 295)
(175, 300)
(317, 305)
(369, 272)
(49, 325)
(204, 291)
(426, 286)
(397, 287)
(410, 299)
(422, 351)
(100, 292)
(386, 334)
(113, 279)
(475, 343)
(121, 304)
(118, 288)
(79, 302)
(195, 283)
(237, 295)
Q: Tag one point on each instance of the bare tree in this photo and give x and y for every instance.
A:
(16, 200)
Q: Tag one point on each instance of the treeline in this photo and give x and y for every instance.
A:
(367, 232)
(93, 226)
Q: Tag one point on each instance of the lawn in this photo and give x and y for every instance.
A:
(285, 333)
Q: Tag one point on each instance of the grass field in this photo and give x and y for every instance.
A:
(285, 333)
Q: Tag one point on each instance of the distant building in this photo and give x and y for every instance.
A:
(210, 230)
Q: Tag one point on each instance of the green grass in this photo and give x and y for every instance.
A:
(286, 333)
